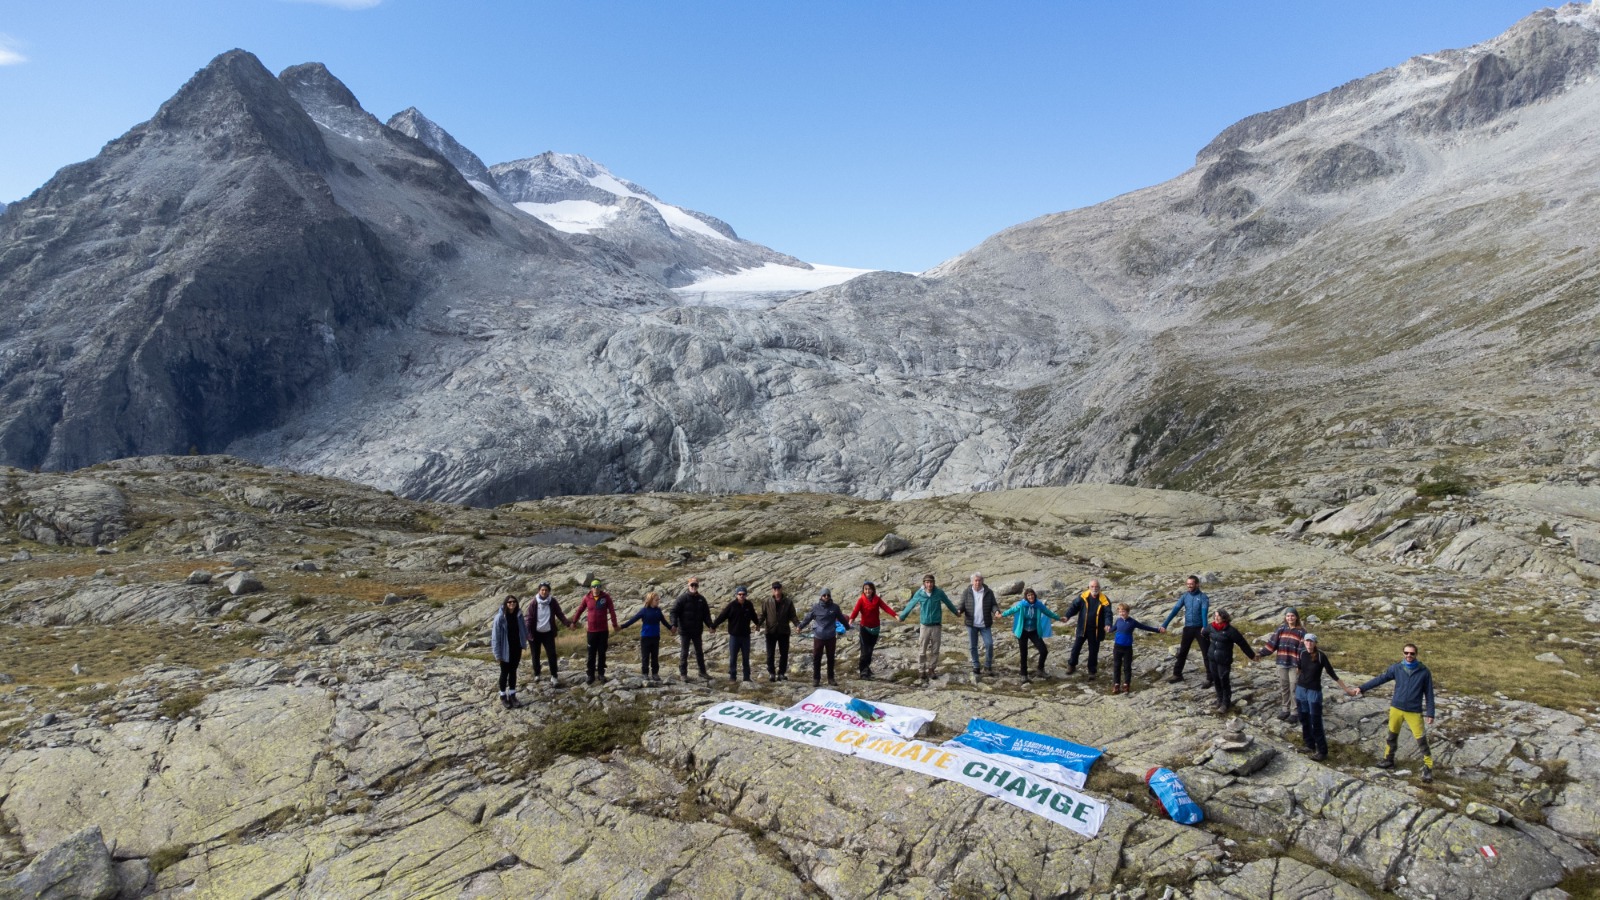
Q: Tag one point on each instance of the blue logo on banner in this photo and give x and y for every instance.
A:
(992, 737)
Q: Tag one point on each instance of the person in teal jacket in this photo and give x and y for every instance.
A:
(1030, 622)
(930, 602)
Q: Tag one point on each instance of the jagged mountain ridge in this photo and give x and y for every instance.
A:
(1294, 306)
(575, 194)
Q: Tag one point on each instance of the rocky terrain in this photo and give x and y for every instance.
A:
(228, 681)
(1390, 277)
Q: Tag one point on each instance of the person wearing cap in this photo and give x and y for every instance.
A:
(978, 606)
(650, 619)
(593, 609)
(867, 608)
(825, 619)
(543, 614)
(1412, 705)
(777, 615)
(1309, 669)
(740, 616)
(691, 613)
(930, 602)
(1285, 645)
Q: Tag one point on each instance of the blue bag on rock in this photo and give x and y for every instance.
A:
(1177, 803)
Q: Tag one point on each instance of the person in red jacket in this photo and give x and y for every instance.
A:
(867, 608)
(592, 610)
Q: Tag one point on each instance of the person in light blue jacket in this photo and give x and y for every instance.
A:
(1030, 622)
(508, 634)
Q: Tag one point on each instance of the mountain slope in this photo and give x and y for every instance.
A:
(1386, 282)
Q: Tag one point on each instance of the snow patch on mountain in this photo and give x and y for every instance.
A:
(773, 277)
(571, 216)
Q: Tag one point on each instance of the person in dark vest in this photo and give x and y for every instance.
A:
(978, 606)
(544, 611)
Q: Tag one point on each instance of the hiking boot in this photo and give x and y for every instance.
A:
(589, 680)
(1386, 763)
(1209, 685)
(1072, 670)
(832, 683)
(1176, 679)
(504, 701)
(816, 682)
(554, 681)
(1427, 774)
(512, 702)
(1321, 755)
(602, 677)
(988, 672)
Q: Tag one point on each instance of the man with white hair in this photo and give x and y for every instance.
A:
(978, 606)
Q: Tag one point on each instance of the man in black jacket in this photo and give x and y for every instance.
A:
(978, 606)
(690, 615)
(740, 616)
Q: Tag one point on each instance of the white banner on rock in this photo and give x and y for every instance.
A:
(1025, 790)
(877, 716)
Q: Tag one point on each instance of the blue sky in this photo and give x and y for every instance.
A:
(870, 134)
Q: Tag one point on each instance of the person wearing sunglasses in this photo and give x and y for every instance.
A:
(1412, 705)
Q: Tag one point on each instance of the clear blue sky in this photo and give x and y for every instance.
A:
(860, 133)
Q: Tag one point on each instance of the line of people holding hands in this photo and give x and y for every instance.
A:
(1301, 665)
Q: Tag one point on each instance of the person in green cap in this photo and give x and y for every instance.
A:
(593, 610)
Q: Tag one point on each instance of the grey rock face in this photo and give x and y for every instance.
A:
(890, 544)
(78, 868)
(243, 583)
(413, 123)
(71, 513)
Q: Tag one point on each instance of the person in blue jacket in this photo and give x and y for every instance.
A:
(1196, 608)
(1030, 622)
(1122, 629)
(508, 634)
(650, 619)
(1411, 705)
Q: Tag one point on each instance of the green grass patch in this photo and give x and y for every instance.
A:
(181, 704)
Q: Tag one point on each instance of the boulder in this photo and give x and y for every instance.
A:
(890, 544)
(78, 868)
(198, 576)
(1364, 513)
(1012, 588)
(72, 511)
(240, 583)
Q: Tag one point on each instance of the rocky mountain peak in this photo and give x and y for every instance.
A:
(413, 123)
(235, 107)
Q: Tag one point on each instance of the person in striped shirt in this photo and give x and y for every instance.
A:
(1286, 644)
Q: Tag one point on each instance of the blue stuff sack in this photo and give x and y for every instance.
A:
(1175, 801)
